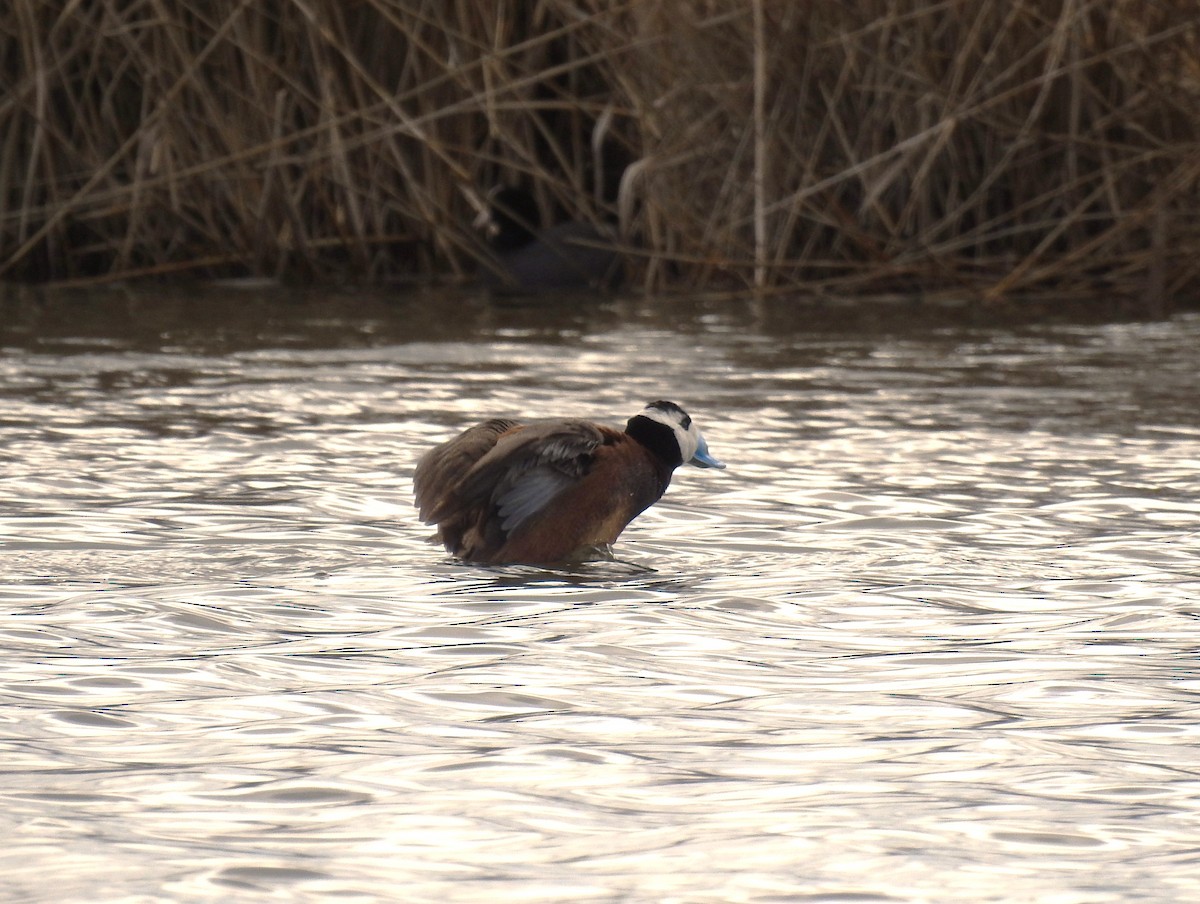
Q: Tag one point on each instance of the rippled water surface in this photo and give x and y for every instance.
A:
(931, 637)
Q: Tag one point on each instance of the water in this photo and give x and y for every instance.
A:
(932, 636)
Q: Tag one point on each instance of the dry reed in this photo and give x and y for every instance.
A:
(983, 149)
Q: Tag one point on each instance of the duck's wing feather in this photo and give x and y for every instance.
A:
(527, 468)
(529, 494)
(442, 469)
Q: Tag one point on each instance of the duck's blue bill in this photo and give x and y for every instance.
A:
(703, 458)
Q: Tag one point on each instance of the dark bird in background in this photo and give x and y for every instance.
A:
(526, 258)
(552, 491)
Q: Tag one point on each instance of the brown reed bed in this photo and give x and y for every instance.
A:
(971, 148)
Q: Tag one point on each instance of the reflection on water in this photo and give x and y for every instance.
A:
(930, 638)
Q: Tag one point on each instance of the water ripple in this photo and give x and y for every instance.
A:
(930, 638)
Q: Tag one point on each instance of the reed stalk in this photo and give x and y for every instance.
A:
(981, 149)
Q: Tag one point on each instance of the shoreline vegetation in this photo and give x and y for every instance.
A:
(980, 150)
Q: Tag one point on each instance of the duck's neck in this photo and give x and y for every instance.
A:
(659, 440)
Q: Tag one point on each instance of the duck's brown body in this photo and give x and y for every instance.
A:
(546, 492)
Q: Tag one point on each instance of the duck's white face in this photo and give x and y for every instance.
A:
(692, 447)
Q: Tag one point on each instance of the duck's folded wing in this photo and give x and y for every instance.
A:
(527, 468)
(442, 470)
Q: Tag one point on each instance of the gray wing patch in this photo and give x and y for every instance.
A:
(528, 495)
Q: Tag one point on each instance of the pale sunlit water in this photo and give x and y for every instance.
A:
(931, 637)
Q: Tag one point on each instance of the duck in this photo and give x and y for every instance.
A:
(552, 491)
(526, 259)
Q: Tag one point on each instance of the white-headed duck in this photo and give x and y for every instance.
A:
(529, 259)
(552, 491)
